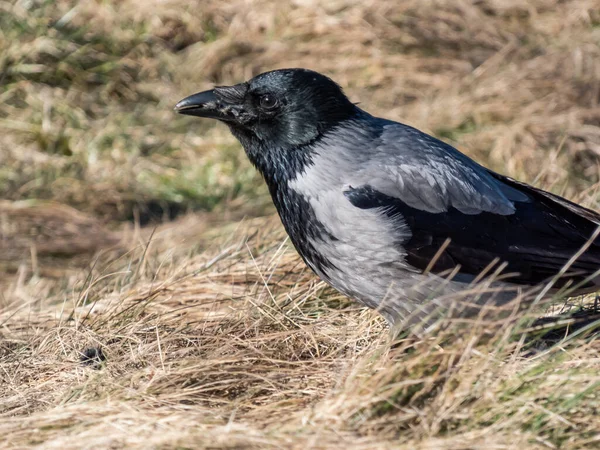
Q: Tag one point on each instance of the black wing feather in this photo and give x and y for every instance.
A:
(535, 242)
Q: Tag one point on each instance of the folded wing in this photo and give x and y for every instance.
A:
(441, 194)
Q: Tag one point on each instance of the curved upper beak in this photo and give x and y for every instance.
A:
(224, 103)
(202, 104)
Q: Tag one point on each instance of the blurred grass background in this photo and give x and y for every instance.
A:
(88, 89)
(110, 200)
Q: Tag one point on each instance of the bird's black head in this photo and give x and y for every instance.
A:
(281, 110)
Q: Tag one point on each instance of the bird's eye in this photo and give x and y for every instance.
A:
(267, 101)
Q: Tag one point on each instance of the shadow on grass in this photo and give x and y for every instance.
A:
(584, 323)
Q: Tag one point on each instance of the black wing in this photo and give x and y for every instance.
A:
(535, 241)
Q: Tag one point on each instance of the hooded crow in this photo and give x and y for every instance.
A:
(391, 216)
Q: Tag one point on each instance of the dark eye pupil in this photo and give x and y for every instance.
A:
(267, 101)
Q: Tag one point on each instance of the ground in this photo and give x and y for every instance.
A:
(149, 297)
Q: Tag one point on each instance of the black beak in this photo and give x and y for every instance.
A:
(203, 104)
(223, 103)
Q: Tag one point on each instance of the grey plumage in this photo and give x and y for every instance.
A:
(388, 215)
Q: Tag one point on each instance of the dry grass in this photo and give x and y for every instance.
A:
(213, 333)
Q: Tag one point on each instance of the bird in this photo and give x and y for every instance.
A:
(392, 217)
